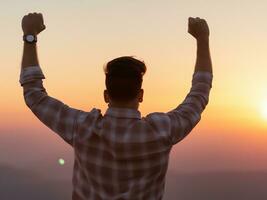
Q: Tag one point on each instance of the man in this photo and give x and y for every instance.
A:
(118, 155)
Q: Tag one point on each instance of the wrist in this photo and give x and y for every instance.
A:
(29, 45)
(29, 32)
(203, 40)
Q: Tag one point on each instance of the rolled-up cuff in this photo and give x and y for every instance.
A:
(202, 77)
(30, 74)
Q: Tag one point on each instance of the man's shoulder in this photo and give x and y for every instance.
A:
(155, 114)
(157, 117)
(89, 115)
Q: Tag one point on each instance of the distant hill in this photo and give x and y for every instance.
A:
(26, 185)
(18, 184)
(216, 186)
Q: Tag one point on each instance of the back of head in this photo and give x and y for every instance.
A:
(124, 77)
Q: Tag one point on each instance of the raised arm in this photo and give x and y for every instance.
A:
(185, 117)
(199, 29)
(53, 113)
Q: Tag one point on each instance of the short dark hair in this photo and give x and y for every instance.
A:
(124, 77)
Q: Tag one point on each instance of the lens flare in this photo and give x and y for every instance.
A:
(61, 161)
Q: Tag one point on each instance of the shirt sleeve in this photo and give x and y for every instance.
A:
(185, 117)
(53, 113)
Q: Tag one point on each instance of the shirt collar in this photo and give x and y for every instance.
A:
(123, 113)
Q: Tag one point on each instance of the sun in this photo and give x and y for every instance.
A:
(264, 110)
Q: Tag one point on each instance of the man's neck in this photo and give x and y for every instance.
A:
(127, 106)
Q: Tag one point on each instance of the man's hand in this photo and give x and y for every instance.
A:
(33, 23)
(198, 28)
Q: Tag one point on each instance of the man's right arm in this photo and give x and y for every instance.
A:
(56, 115)
(185, 117)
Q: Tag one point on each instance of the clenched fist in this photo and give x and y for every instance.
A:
(198, 28)
(33, 23)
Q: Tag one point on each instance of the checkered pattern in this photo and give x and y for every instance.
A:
(118, 155)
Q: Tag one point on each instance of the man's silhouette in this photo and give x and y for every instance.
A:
(118, 155)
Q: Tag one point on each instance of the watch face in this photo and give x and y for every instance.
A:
(30, 38)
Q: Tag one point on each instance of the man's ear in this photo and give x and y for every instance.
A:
(141, 95)
(106, 97)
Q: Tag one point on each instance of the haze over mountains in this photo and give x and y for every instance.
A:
(18, 184)
(27, 185)
(29, 169)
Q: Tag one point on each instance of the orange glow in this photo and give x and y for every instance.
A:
(72, 54)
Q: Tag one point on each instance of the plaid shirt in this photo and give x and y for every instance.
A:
(118, 155)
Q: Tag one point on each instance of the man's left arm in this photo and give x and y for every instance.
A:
(52, 112)
(185, 117)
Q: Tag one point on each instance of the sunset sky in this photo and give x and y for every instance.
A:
(82, 36)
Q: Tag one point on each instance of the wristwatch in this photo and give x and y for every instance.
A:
(31, 39)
